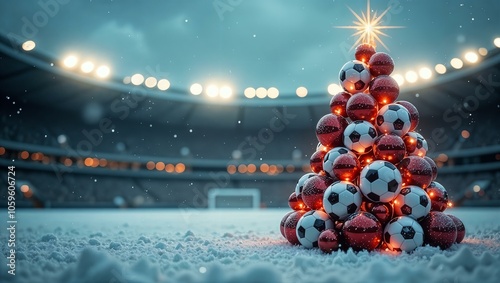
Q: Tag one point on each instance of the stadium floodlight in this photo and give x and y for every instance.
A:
(163, 84)
(225, 92)
(273, 92)
(334, 89)
(261, 92)
(196, 89)
(456, 63)
(411, 76)
(471, 57)
(399, 79)
(212, 91)
(440, 69)
(70, 61)
(87, 67)
(425, 73)
(301, 91)
(103, 71)
(28, 45)
(150, 82)
(137, 79)
(249, 92)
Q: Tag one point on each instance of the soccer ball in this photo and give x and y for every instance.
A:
(393, 119)
(341, 199)
(359, 136)
(403, 234)
(330, 158)
(300, 183)
(311, 225)
(380, 181)
(413, 202)
(415, 144)
(355, 76)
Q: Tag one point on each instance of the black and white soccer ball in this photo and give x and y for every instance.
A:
(415, 144)
(341, 199)
(359, 136)
(330, 157)
(355, 76)
(300, 183)
(403, 234)
(380, 181)
(413, 202)
(393, 119)
(310, 225)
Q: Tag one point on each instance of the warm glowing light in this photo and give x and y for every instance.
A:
(137, 79)
(150, 82)
(225, 92)
(368, 27)
(242, 168)
(476, 188)
(150, 165)
(103, 162)
(70, 61)
(301, 91)
(334, 89)
(25, 155)
(160, 166)
(251, 168)
(89, 161)
(196, 89)
(425, 73)
(456, 63)
(103, 71)
(471, 57)
(212, 91)
(68, 162)
(24, 188)
(87, 67)
(450, 204)
(273, 169)
(411, 76)
(169, 168)
(264, 168)
(261, 92)
(290, 168)
(28, 45)
(231, 169)
(440, 69)
(465, 134)
(180, 167)
(273, 92)
(482, 51)
(163, 84)
(2, 150)
(399, 79)
(442, 157)
(497, 42)
(249, 92)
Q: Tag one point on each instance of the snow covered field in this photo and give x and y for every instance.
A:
(114, 246)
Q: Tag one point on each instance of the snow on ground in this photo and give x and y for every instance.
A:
(115, 246)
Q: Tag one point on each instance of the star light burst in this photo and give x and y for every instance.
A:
(368, 27)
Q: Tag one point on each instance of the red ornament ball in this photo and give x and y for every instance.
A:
(384, 89)
(291, 226)
(460, 228)
(433, 167)
(383, 211)
(314, 187)
(296, 203)
(329, 241)
(362, 106)
(414, 116)
(381, 64)
(439, 230)
(364, 52)
(282, 223)
(346, 167)
(330, 129)
(362, 231)
(366, 159)
(415, 171)
(390, 148)
(316, 161)
(338, 103)
(438, 195)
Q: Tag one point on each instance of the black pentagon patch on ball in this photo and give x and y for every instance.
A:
(357, 122)
(405, 191)
(371, 175)
(392, 186)
(372, 133)
(419, 143)
(424, 201)
(373, 196)
(358, 67)
(398, 124)
(319, 224)
(342, 75)
(387, 237)
(301, 232)
(315, 244)
(352, 208)
(394, 107)
(380, 120)
(405, 209)
(354, 136)
(342, 151)
(359, 84)
(390, 165)
(408, 232)
(334, 216)
(351, 189)
(333, 198)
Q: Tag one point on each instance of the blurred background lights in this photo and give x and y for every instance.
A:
(225, 92)
(471, 57)
(261, 92)
(70, 61)
(196, 89)
(301, 91)
(334, 89)
(399, 79)
(456, 63)
(440, 69)
(87, 67)
(482, 51)
(273, 92)
(137, 79)
(150, 82)
(163, 84)
(212, 91)
(103, 71)
(425, 73)
(411, 76)
(28, 45)
(497, 42)
(249, 92)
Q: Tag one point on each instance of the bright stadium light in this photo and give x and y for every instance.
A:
(70, 61)
(301, 91)
(163, 84)
(273, 92)
(249, 92)
(28, 45)
(471, 57)
(261, 92)
(425, 73)
(456, 63)
(137, 79)
(440, 69)
(411, 76)
(225, 92)
(150, 82)
(482, 51)
(399, 79)
(87, 67)
(103, 71)
(334, 89)
(212, 91)
(196, 89)
(497, 42)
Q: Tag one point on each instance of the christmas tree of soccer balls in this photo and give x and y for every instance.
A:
(372, 186)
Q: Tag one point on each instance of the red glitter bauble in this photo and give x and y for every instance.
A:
(330, 129)
(362, 106)
(389, 148)
(414, 116)
(339, 102)
(383, 211)
(384, 89)
(433, 167)
(366, 159)
(328, 241)
(362, 231)
(346, 167)
(282, 223)
(312, 193)
(381, 64)
(316, 161)
(438, 195)
(364, 52)
(415, 171)
(439, 230)
(460, 228)
(291, 226)
(296, 203)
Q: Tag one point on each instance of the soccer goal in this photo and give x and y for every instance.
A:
(234, 198)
